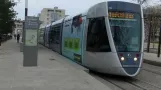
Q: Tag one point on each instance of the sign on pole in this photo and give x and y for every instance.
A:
(31, 41)
(31, 38)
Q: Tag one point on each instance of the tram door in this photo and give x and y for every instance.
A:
(96, 41)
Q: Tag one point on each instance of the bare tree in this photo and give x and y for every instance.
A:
(141, 1)
(152, 21)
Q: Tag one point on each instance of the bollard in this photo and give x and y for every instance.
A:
(21, 46)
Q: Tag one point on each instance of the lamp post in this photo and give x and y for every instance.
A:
(23, 33)
(26, 13)
(26, 8)
(30, 44)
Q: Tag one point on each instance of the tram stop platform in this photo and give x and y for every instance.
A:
(152, 58)
(54, 72)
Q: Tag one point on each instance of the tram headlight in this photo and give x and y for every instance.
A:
(122, 58)
(135, 59)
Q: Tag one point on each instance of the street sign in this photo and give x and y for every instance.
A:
(32, 22)
(31, 38)
(31, 27)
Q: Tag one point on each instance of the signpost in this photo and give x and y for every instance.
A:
(30, 46)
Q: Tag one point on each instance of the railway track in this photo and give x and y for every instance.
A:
(159, 73)
(130, 83)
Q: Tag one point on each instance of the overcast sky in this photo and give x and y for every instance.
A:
(71, 6)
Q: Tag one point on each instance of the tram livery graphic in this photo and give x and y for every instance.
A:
(107, 38)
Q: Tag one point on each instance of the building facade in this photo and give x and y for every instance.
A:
(18, 27)
(49, 15)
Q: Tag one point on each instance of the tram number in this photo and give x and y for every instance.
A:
(121, 15)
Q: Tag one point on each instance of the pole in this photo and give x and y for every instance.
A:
(23, 33)
(26, 13)
(30, 49)
(26, 8)
(149, 36)
(159, 43)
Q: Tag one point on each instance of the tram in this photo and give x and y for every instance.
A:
(107, 38)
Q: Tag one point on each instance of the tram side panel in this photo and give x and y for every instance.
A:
(72, 39)
(44, 37)
(41, 34)
(47, 37)
(55, 37)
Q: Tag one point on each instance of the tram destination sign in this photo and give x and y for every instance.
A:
(121, 15)
(31, 23)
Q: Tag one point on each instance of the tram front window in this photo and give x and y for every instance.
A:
(97, 39)
(126, 32)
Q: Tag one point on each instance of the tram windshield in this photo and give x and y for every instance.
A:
(126, 31)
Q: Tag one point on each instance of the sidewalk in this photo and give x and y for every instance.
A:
(54, 72)
(151, 58)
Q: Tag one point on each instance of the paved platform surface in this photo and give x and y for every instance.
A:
(54, 72)
(151, 58)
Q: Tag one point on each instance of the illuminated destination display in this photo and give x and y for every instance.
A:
(121, 15)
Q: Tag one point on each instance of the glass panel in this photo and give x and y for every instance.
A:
(97, 39)
(126, 31)
(55, 34)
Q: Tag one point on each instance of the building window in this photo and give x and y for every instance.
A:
(58, 11)
(20, 26)
(50, 10)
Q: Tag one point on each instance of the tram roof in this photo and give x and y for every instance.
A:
(124, 2)
(97, 10)
(42, 27)
(58, 21)
(71, 17)
(48, 25)
(101, 10)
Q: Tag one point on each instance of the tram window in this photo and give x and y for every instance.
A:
(55, 34)
(97, 39)
(51, 34)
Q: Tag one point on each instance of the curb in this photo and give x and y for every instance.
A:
(152, 62)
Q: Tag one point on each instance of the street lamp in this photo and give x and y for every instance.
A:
(26, 7)
(26, 13)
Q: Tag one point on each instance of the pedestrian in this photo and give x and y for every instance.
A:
(18, 38)
(15, 36)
